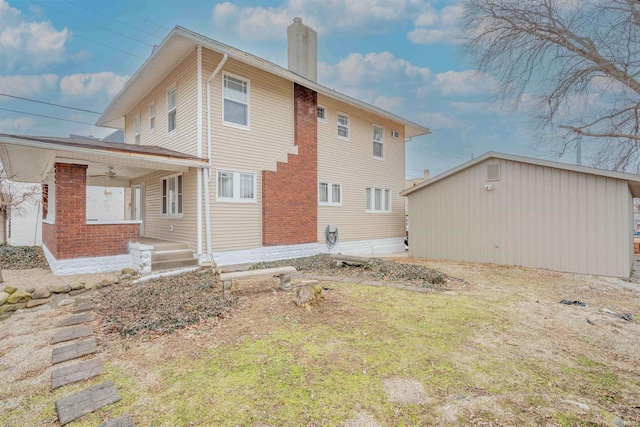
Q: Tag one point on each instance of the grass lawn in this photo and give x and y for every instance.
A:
(503, 352)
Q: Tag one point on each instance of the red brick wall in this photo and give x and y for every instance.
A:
(70, 236)
(290, 195)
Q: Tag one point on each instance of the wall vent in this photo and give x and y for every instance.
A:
(395, 134)
(493, 172)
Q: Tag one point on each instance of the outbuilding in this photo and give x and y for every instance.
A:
(513, 210)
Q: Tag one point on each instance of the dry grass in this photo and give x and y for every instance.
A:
(503, 352)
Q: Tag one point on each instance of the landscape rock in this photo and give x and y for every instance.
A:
(12, 307)
(126, 276)
(307, 295)
(66, 301)
(3, 297)
(37, 302)
(129, 271)
(617, 422)
(41, 293)
(30, 289)
(19, 296)
(61, 289)
(77, 285)
(5, 316)
(10, 289)
(89, 286)
(77, 292)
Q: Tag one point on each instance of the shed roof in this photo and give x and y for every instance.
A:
(632, 179)
(181, 42)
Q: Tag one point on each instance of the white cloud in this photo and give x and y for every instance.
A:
(346, 16)
(469, 82)
(436, 26)
(18, 126)
(372, 67)
(25, 85)
(29, 45)
(83, 85)
(438, 121)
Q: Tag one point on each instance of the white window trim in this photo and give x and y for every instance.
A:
(170, 215)
(372, 199)
(155, 124)
(373, 127)
(137, 121)
(348, 126)
(325, 114)
(231, 124)
(236, 187)
(330, 193)
(173, 86)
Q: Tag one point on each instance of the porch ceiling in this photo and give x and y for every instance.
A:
(29, 159)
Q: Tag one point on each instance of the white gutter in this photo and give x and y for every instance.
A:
(207, 172)
(199, 151)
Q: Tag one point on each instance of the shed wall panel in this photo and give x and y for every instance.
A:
(535, 216)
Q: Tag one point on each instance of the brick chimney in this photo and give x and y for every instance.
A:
(302, 44)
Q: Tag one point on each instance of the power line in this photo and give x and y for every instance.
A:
(47, 117)
(49, 103)
(141, 18)
(113, 19)
(77, 35)
(91, 23)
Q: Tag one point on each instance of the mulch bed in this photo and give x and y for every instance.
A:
(22, 257)
(378, 269)
(161, 306)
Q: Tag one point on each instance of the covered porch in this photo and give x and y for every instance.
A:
(65, 167)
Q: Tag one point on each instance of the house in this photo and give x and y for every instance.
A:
(228, 155)
(513, 210)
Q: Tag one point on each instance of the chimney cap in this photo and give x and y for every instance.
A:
(297, 19)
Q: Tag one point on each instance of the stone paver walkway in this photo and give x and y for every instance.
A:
(74, 351)
(84, 402)
(72, 333)
(77, 319)
(123, 420)
(85, 306)
(78, 372)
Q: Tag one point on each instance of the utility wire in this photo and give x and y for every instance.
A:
(141, 18)
(47, 117)
(49, 103)
(113, 19)
(78, 36)
(91, 23)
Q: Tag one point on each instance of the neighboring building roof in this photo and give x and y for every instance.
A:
(181, 42)
(632, 179)
(115, 136)
(76, 144)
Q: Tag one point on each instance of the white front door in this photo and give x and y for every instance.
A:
(137, 205)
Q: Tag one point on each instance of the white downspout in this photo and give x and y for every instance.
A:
(207, 172)
(199, 154)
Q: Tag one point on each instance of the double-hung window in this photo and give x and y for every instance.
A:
(378, 142)
(343, 126)
(236, 186)
(236, 101)
(172, 109)
(378, 199)
(322, 114)
(329, 194)
(172, 195)
(152, 116)
(136, 129)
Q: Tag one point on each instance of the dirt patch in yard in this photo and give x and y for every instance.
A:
(22, 257)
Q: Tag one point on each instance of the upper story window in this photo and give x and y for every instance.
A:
(136, 129)
(236, 186)
(343, 126)
(152, 116)
(172, 109)
(236, 101)
(329, 194)
(172, 195)
(378, 199)
(322, 114)
(378, 142)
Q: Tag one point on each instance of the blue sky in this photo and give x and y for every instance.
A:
(401, 55)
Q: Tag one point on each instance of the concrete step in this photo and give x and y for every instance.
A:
(169, 246)
(157, 256)
(173, 263)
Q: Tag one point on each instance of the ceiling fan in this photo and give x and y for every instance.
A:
(109, 174)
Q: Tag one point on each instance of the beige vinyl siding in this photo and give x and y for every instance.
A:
(351, 163)
(184, 138)
(239, 225)
(155, 224)
(536, 216)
